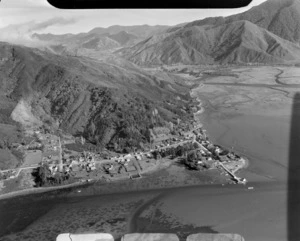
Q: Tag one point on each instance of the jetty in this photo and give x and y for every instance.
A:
(234, 177)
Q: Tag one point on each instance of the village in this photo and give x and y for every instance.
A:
(191, 146)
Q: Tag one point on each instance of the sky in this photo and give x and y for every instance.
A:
(40, 16)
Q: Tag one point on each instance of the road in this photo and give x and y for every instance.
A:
(193, 139)
(236, 178)
(60, 165)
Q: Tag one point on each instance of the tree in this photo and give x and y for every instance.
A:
(192, 156)
(191, 161)
(179, 151)
(42, 175)
(173, 152)
(58, 178)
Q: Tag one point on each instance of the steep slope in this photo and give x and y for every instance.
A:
(280, 17)
(123, 38)
(235, 42)
(99, 43)
(104, 101)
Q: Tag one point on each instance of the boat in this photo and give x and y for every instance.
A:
(250, 188)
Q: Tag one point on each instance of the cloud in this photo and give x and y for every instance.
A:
(22, 33)
(52, 22)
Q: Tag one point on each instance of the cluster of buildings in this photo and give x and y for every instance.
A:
(190, 137)
(84, 161)
(129, 164)
(217, 157)
(8, 174)
(69, 164)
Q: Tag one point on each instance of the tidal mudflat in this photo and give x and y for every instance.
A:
(250, 112)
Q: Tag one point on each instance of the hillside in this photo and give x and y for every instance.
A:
(98, 39)
(268, 34)
(103, 101)
(280, 17)
(235, 42)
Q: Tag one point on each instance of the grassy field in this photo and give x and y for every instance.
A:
(32, 158)
(9, 157)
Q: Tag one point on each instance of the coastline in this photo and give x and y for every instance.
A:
(245, 158)
(160, 178)
(148, 174)
(37, 190)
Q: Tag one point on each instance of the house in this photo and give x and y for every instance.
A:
(134, 176)
(231, 155)
(113, 172)
(149, 155)
(138, 157)
(224, 158)
(128, 156)
(218, 150)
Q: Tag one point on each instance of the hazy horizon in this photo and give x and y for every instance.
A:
(40, 13)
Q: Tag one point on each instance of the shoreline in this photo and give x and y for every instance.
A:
(245, 158)
(160, 167)
(29, 191)
(33, 191)
(113, 185)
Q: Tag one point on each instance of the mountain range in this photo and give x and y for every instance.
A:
(268, 34)
(98, 39)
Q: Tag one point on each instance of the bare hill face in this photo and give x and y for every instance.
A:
(280, 17)
(268, 33)
(235, 42)
(102, 101)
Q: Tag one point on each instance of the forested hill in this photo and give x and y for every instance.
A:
(103, 101)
